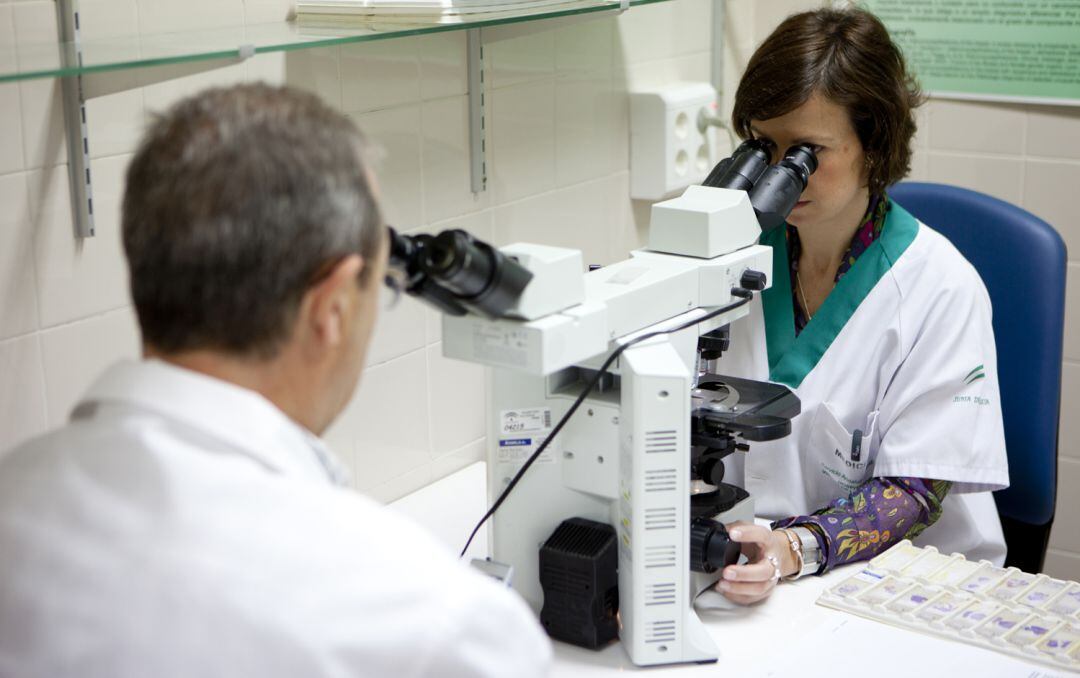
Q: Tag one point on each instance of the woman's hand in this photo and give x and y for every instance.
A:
(769, 557)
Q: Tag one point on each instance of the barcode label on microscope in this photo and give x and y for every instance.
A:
(532, 420)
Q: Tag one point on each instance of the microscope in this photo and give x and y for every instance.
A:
(615, 403)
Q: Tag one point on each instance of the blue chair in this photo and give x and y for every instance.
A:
(1022, 260)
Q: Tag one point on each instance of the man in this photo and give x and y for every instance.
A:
(188, 521)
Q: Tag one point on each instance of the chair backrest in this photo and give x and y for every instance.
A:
(1022, 261)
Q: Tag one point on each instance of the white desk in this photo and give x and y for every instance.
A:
(786, 635)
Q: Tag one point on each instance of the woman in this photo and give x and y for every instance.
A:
(875, 320)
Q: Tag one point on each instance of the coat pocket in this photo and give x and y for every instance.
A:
(837, 461)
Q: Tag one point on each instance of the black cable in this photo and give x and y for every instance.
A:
(588, 389)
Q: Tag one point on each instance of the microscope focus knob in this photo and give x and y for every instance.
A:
(710, 546)
(753, 280)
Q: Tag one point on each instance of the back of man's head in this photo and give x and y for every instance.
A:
(235, 200)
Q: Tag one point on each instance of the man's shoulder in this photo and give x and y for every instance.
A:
(239, 543)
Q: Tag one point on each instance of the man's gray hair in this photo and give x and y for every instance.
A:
(236, 199)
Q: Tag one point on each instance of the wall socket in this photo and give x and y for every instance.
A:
(670, 146)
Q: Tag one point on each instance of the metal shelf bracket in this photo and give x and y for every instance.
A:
(76, 90)
(78, 142)
(477, 140)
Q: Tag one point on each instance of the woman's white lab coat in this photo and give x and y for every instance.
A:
(902, 355)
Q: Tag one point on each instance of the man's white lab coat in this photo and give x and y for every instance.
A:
(184, 526)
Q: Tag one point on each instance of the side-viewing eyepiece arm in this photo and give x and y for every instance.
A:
(457, 273)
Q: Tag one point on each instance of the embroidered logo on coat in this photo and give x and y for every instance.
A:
(975, 375)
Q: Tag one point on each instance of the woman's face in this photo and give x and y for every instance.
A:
(837, 192)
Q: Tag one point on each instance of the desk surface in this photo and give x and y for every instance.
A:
(786, 635)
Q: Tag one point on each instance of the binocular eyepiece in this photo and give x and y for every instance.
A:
(456, 273)
(773, 189)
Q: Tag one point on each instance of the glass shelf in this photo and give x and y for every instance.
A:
(57, 59)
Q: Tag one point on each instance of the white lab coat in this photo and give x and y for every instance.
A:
(183, 526)
(903, 351)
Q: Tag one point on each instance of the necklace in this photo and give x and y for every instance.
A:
(806, 307)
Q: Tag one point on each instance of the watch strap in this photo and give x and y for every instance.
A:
(810, 550)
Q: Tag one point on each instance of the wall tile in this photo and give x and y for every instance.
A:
(35, 22)
(443, 65)
(458, 459)
(22, 391)
(315, 70)
(1054, 131)
(636, 230)
(514, 55)
(983, 127)
(169, 16)
(1000, 177)
(739, 19)
(77, 353)
(396, 132)
(646, 34)
(11, 134)
(581, 216)
(522, 135)
(270, 68)
(456, 395)
(1062, 565)
(101, 19)
(44, 144)
(693, 23)
(632, 218)
(583, 138)
(115, 122)
(586, 46)
(1049, 191)
(379, 75)
(921, 140)
(18, 298)
(694, 67)
(446, 167)
(383, 431)
(399, 330)
(768, 15)
(78, 278)
(1065, 534)
(185, 80)
(1069, 430)
(920, 166)
(266, 11)
(1072, 312)
(8, 59)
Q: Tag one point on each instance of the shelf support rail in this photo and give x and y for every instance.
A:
(78, 143)
(475, 67)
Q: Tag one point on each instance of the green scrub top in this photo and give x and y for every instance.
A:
(791, 358)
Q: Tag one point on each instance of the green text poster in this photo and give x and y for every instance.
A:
(1012, 50)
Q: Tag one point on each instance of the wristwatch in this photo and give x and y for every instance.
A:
(804, 544)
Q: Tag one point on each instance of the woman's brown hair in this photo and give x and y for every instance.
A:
(848, 57)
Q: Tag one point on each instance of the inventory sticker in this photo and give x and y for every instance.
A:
(521, 432)
(514, 451)
(533, 420)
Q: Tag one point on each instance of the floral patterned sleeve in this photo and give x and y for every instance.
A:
(877, 515)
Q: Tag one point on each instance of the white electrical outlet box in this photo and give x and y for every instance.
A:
(668, 149)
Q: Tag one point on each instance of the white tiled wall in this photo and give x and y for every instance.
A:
(557, 173)
(557, 162)
(1026, 154)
